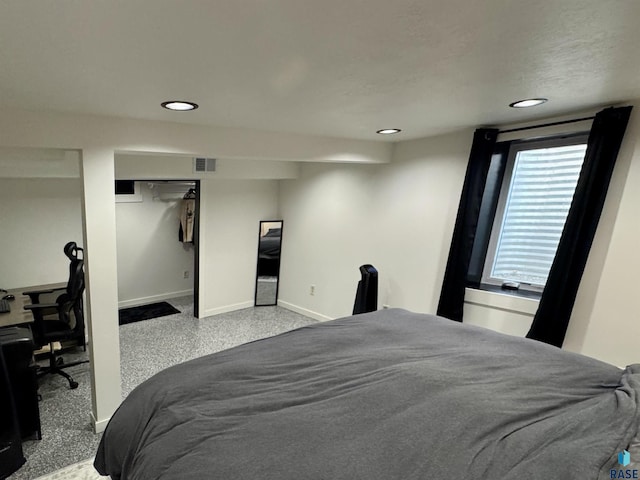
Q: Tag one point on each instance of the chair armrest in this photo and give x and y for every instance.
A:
(34, 295)
(39, 292)
(48, 290)
(40, 306)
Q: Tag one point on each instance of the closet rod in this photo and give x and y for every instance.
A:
(551, 124)
(170, 182)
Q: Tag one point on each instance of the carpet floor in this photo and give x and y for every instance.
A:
(145, 349)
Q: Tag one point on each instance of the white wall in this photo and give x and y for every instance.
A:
(231, 212)
(98, 139)
(22, 128)
(101, 308)
(130, 166)
(400, 217)
(38, 217)
(233, 200)
(397, 217)
(504, 313)
(151, 259)
(39, 163)
(606, 321)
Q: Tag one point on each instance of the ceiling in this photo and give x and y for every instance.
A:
(343, 68)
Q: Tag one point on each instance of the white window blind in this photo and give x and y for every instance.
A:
(540, 193)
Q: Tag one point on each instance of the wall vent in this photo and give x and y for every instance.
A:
(204, 165)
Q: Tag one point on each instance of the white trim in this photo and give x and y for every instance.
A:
(501, 301)
(228, 308)
(98, 425)
(153, 298)
(303, 311)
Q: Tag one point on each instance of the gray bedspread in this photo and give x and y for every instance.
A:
(386, 395)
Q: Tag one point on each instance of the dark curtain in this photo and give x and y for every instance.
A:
(455, 276)
(554, 311)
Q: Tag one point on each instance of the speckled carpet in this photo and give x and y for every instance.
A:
(145, 349)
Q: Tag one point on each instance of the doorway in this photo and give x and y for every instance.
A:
(157, 233)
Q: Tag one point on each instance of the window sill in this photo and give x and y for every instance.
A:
(521, 293)
(525, 303)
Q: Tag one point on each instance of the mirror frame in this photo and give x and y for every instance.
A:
(255, 298)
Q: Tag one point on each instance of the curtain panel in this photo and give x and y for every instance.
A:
(451, 302)
(554, 311)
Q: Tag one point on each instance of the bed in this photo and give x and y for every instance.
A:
(385, 395)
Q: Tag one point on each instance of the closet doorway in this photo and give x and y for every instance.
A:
(157, 233)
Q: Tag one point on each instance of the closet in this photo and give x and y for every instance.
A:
(156, 234)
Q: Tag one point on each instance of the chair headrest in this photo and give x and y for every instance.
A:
(71, 250)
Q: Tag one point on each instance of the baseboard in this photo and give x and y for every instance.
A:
(304, 311)
(250, 303)
(153, 298)
(227, 308)
(98, 425)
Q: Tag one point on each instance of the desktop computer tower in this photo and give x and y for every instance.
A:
(19, 413)
(11, 457)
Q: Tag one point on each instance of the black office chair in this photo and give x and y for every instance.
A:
(63, 319)
(367, 292)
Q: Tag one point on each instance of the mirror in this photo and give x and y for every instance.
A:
(268, 270)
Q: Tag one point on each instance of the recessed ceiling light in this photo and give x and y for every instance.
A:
(530, 102)
(388, 131)
(179, 105)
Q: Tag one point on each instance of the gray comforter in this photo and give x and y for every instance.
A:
(386, 395)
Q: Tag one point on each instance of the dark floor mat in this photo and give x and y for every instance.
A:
(145, 312)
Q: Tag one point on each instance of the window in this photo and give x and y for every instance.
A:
(127, 191)
(520, 234)
(125, 187)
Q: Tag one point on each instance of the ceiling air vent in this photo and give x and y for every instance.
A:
(204, 165)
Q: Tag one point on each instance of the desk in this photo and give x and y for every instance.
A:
(18, 314)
